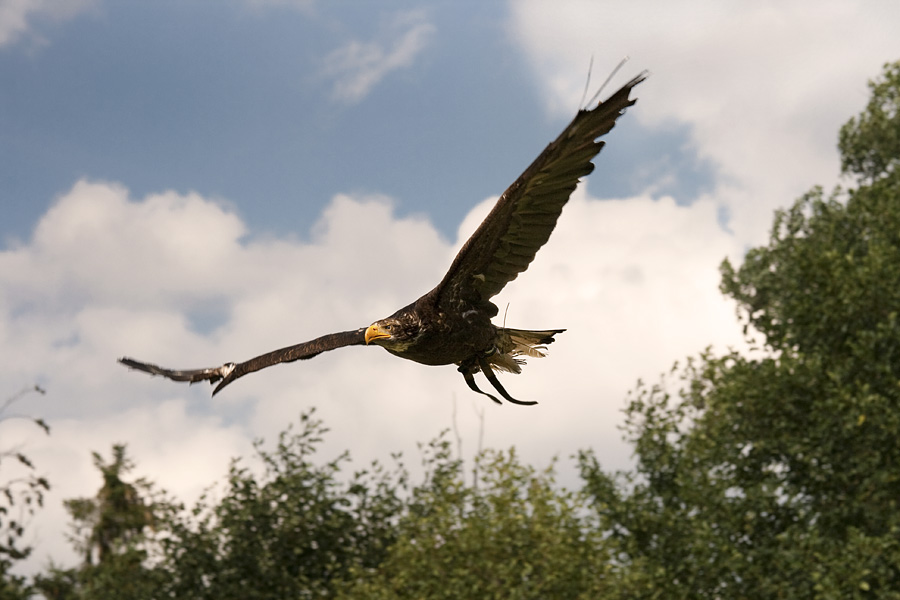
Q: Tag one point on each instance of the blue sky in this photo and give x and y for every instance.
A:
(241, 102)
(196, 182)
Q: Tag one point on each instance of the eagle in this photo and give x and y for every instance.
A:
(451, 324)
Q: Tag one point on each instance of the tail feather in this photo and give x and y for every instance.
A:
(513, 343)
(531, 343)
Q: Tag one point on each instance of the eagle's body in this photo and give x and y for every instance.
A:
(451, 324)
(434, 337)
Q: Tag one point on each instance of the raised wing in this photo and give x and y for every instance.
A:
(524, 217)
(231, 371)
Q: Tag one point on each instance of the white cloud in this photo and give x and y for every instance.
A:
(634, 280)
(763, 86)
(357, 67)
(16, 16)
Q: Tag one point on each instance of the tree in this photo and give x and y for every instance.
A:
(20, 496)
(512, 534)
(775, 475)
(117, 517)
(112, 533)
(870, 143)
(295, 528)
(293, 531)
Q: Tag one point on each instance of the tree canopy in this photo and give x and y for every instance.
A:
(775, 474)
(870, 142)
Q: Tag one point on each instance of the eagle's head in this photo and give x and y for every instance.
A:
(395, 333)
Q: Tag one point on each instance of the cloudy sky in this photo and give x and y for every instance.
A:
(197, 182)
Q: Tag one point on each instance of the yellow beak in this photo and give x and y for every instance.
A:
(374, 333)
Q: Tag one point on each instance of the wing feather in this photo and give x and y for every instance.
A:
(231, 371)
(525, 215)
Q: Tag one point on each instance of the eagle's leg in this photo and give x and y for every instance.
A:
(465, 369)
(489, 373)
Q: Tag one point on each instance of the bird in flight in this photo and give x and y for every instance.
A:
(451, 324)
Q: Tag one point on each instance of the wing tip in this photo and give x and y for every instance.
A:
(134, 364)
(626, 89)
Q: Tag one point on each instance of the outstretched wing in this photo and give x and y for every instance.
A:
(231, 371)
(521, 222)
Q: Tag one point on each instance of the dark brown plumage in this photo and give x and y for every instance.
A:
(451, 324)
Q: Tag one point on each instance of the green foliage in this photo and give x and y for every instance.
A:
(775, 475)
(825, 285)
(512, 534)
(291, 532)
(752, 482)
(113, 532)
(290, 528)
(20, 496)
(115, 520)
(123, 575)
(12, 587)
(870, 143)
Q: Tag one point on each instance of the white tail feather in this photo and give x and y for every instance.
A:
(513, 343)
